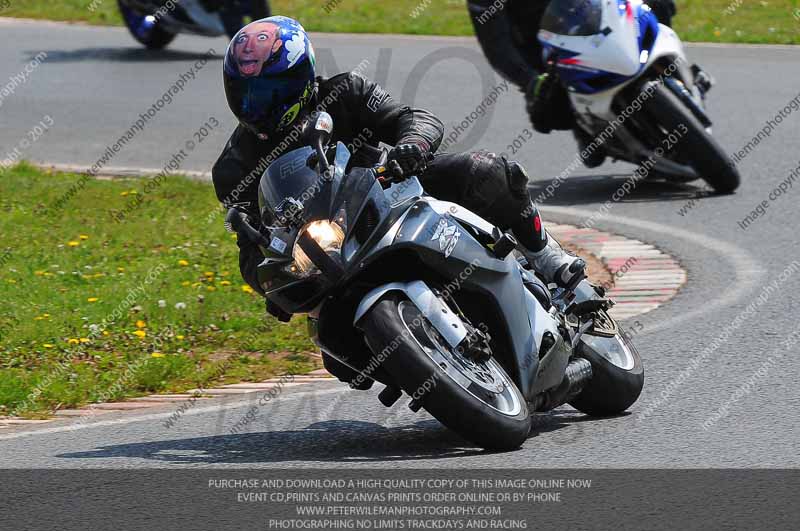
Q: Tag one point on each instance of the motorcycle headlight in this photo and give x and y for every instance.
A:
(328, 235)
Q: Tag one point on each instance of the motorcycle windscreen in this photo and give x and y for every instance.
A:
(573, 17)
(289, 177)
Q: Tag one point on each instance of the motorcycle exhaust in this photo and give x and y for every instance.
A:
(577, 374)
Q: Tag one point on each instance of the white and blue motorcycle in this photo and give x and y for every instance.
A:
(636, 96)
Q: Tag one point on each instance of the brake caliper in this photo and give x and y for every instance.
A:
(476, 346)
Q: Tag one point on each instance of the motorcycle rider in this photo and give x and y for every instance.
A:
(508, 34)
(271, 86)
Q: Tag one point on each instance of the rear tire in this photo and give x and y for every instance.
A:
(153, 38)
(612, 389)
(448, 401)
(701, 150)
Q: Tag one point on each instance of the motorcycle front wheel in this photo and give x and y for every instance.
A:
(696, 145)
(146, 32)
(476, 399)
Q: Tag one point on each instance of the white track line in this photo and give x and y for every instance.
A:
(747, 270)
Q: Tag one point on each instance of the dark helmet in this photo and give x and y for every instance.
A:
(269, 74)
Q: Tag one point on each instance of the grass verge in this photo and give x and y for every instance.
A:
(93, 310)
(741, 21)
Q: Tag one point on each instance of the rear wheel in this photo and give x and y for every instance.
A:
(145, 29)
(617, 375)
(476, 399)
(695, 146)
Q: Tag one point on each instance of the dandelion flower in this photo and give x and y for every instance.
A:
(211, 288)
(83, 237)
(38, 273)
(92, 299)
(247, 289)
(183, 263)
(209, 273)
(180, 305)
(140, 324)
(123, 194)
(225, 283)
(179, 337)
(120, 269)
(140, 334)
(156, 355)
(72, 341)
(162, 303)
(73, 243)
(186, 283)
(106, 333)
(85, 340)
(45, 315)
(48, 345)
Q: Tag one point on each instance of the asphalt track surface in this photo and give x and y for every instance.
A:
(96, 81)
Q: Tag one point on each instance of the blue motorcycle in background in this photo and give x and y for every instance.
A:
(155, 23)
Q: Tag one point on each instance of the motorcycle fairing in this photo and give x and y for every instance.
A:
(442, 236)
(666, 50)
(497, 282)
(594, 63)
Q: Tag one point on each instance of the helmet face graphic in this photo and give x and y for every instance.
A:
(269, 74)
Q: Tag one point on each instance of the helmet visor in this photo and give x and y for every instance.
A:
(268, 105)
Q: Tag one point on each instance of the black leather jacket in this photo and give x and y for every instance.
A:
(362, 112)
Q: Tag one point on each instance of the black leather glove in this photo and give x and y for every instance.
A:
(406, 160)
(547, 103)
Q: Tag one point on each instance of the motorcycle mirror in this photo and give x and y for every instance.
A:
(324, 127)
(318, 128)
(318, 131)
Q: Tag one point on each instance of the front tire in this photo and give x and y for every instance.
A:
(615, 385)
(697, 147)
(485, 407)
